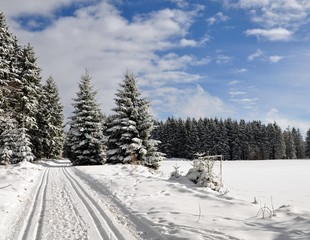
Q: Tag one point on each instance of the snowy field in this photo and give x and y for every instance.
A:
(180, 210)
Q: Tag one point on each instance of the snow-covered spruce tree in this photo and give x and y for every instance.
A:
(6, 59)
(130, 128)
(299, 143)
(29, 90)
(85, 141)
(49, 139)
(15, 144)
(276, 141)
(307, 144)
(289, 143)
(8, 137)
(17, 79)
(22, 148)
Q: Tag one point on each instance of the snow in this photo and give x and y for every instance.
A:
(179, 209)
(16, 182)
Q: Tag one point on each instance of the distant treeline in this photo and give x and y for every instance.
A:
(236, 140)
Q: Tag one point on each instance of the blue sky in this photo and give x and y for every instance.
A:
(244, 59)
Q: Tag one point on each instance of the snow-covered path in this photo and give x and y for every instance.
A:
(64, 206)
(52, 214)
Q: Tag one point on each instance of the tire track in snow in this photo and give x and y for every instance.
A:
(102, 222)
(32, 227)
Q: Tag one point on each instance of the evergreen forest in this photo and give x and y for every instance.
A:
(235, 140)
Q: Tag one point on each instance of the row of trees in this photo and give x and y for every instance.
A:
(121, 138)
(233, 139)
(32, 122)
(31, 118)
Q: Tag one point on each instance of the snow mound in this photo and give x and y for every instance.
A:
(16, 183)
(204, 178)
(201, 174)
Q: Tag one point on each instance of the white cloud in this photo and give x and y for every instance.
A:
(200, 103)
(236, 93)
(240, 70)
(247, 101)
(172, 77)
(253, 3)
(259, 53)
(202, 61)
(11, 8)
(286, 16)
(271, 13)
(188, 43)
(172, 61)
(190, 103)
(180, 3)
(275, 34)
(217, 18)
(274, 115)
(244, 101)
(233, 82)
(223, 59)
(194, 43)
(204, 39)
(275, 58)
(97, 37)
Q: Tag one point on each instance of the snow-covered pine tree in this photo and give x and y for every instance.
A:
(16, 94)
(49, 139)
(28, 92)
(130, 128)
(299, 143)
(22, 148)
(8, 137)
(85, 141)
(307, 144)
(276, 141)
(160, 133)
(220, 139)
(15, 144)
(169, 137)
(244, 140)
(233, 139)
(289, 143)
(7, 54)
(190, 139)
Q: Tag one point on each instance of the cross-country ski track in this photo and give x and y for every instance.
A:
(67, 204)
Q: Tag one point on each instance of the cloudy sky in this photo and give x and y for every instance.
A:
(246, 59)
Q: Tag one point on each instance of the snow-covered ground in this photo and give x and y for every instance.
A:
(175, 208)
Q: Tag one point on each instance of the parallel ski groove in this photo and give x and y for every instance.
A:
(37, 202)
(142, 225)
(78, 188)
(43, 206)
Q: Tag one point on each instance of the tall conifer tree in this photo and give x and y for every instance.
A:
(8, 137)
(290, 144)
(6, 60)
(299, 143)
(85, 141)
(19, 90)
(50, 133)
(307, 144)
(29, 90)
(130, 129)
